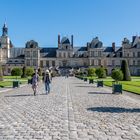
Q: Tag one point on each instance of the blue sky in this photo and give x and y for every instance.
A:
(43, 20)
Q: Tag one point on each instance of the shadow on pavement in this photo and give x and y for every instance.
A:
(99, 93)
(24, 95)
(85, 86)
(81, 83)
(19, 95)
(114, 109)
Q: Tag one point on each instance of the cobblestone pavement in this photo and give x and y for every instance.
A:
(74, 110)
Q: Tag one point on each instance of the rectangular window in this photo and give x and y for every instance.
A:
(134, 62)
(53, 63)
(128, 61)
(59, 54)
(34, 54)
(92, 53)
(138, 54)
(47, 63)
(34, 62)
(64, 54)
(41, 63)
(99, 62)
(85, 64)
(113, 62)
(92, 62)
(96, 53)
(99, 53)
(138, 72)
(96, 62)
(138, 62)
(28, 54)
(28, 62)
(69, 54)
(127, 54)
(133, 54)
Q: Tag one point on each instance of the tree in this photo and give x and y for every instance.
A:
(1, 74)
(125, 70)
(101, 72)
(91, 71)
(29, 71)
(16, 72)
(117, 75)
(23, 72)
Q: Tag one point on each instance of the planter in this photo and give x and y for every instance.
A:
(116, 88)
(29, 81)
(99, 83)
(16, 84)
(85, 79)
(1, 86)
(91, 81)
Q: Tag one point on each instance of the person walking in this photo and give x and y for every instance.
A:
(35, 80)
(47, 81)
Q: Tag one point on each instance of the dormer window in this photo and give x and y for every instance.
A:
(31, 46)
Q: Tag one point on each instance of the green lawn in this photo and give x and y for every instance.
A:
(15, 77)
(9, 83)
(8, 80)
(131, 86)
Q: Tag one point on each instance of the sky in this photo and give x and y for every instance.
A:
(43, 20)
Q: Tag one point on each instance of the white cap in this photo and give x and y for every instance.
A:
(47, 71)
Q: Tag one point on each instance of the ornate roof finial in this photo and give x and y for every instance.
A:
(5, 30)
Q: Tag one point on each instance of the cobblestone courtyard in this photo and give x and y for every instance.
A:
(74, 110)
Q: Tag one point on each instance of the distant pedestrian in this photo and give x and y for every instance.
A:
(47, 81)
(35, 80)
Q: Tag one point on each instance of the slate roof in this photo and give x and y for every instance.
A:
(48, 52)
(82, 49)
(108, 49)
(118, 49)
(75, 49)
(65, 40)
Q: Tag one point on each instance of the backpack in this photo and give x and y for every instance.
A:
(47, 78)
(35, 79)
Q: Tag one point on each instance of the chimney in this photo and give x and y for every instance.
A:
(113, 46)
(133, 39)
(72, 40)
(58, 39)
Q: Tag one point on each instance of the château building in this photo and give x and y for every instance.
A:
(66, 55)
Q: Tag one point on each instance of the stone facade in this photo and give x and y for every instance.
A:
(66, 55)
